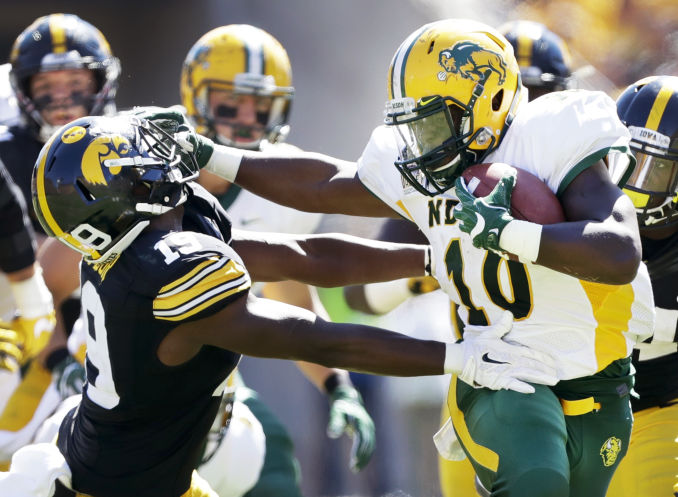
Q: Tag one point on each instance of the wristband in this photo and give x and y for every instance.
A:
(454, 358)
(32, 297)
(334, 381)
(521, 238)
(225, 162)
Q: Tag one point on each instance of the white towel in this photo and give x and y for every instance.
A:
(447, 443)
(34, 470)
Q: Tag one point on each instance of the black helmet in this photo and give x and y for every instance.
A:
(99, 180)
(649, 108)
(542, 55)
(56, 42)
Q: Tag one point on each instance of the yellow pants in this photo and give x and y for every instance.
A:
(650, 468)
(457, 478)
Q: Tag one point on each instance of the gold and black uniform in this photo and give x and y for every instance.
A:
(140, 426)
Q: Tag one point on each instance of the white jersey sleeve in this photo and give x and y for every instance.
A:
(559, 135)
(377, 171)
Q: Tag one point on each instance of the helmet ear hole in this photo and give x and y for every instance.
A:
(497, 100)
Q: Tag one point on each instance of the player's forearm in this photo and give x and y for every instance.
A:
(601, 252)
(338, 260)
(296, 181)
(371, 350)
(280, 331)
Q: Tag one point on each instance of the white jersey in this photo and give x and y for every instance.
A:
(584, 326)
(248, 211)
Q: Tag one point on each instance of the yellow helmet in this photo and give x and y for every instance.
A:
(453, 86)
(242, 59)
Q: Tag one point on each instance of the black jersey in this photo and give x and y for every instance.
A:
(657, 379)
(140, 426)
(17, 240)
(19, 149)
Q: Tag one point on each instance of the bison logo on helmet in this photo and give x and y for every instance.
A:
(471, 61)
(99, 150)
(610, 450)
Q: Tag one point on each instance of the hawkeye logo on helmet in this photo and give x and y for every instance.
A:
(471, 61)
(74, 134)
(100, 150)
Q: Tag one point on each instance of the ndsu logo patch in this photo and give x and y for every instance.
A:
(471, 61)
(99, 150)
(610, 450)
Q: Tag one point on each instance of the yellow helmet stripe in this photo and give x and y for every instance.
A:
(58, 33)
(524, 52)
(44, 207)
(658, 108)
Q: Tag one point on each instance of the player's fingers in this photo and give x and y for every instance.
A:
(517, 386)
(501, 193)
(362, 448)
(462, 192)
(336, 424)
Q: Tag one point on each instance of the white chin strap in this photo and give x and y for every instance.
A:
(123, 243)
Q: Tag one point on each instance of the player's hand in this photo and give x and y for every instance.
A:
(173, 120)
(490, 361)
(193, 142)
(68, 377)
(10, 353)
(484, 218)
(422, 284)
(168, 118)
(33, 334)
(348, 415)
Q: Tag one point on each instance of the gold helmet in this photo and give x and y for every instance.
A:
(242, 59)
(453, 86)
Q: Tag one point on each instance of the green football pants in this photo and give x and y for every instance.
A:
(561, 441)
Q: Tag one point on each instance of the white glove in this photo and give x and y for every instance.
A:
(483, 359)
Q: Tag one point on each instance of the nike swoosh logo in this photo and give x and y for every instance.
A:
(486, 358)
(248, 221)
(479, 227)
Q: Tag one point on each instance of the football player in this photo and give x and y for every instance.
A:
(165, 292)
(61, 68)
(543, 57)
(579, 290)
(545, 66)
(649, 108)
(236, 87)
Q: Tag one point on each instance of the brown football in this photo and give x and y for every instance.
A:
(531, 200)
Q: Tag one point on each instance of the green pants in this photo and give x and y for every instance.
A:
(280, 475)
(526, 445)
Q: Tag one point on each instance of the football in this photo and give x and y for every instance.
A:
(532, 200)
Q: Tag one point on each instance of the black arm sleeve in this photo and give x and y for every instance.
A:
(17, 238)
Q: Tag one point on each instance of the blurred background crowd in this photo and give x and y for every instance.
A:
(340, 52)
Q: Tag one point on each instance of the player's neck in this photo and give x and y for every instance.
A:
(169, 221)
